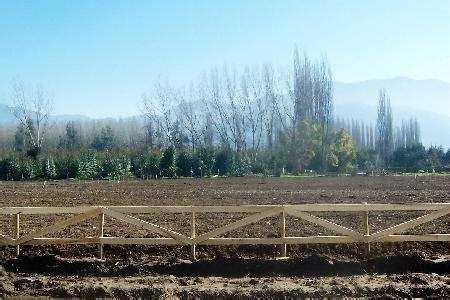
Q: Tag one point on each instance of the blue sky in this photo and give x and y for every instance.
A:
(98, 57)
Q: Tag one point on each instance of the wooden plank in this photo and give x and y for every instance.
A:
(302, 207)
(45, 210)
(16, 223)
(230, 209)
(367, 227)
(63, 241)
(146, 225)
(236, 241)
(283, 233)
(193, 254)
(232, 241)
(235, 225)
(196, 209)
(367, 231)
(408, 224)
(327, 224)
(436, 237)
(101, 229)
(6, 240)
(140, 241)
(190, 209)
(280, 241)
(58, 226)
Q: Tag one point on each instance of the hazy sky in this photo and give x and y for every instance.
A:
(98, 57)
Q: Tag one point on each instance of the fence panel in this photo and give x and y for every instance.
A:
(124, 214)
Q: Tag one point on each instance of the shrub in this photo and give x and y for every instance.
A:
(66, 168)
(410, 158)
(222, 161)
(167, 163)
(145, 166)
(11, 169)
(88, 167)
(116, 168)
(183, 164)
(31, 169)
(204, 161)
(240, 166)
(49, 168)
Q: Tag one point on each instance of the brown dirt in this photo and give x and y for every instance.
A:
(315, 275)
(169, 280)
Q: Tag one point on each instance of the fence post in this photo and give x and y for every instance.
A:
(367, 229)
(283, 233)
(193, 254)
(101, 228)
(16, 221)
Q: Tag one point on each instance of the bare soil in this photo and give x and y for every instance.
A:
(393, 269)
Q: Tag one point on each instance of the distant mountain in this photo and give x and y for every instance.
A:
(7, 117)
(427, 100)
(424, 95)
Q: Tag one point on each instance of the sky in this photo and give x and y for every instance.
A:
(98, 57)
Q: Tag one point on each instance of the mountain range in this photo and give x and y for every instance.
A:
(426, 100)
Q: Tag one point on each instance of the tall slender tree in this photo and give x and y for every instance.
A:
(385, 138)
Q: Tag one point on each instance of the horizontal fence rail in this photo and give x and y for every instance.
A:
(78, 215)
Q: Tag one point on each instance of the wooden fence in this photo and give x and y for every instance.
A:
(431, 211)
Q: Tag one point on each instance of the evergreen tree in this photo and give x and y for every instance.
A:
(167, 162)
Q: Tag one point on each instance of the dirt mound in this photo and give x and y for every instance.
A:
(54, 265)
(408, 263)
(314, 265)
(226, 278)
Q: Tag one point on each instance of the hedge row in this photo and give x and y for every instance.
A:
(85, 166)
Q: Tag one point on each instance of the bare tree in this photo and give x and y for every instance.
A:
(303, 88)
(322, 82)
(212, 97)
(271, 111)
(189, 116)
(158, 109)
(236, 120)
(254, 108)
(222, 103)
(32, 108)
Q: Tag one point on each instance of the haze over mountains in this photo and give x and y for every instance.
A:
(426, 100)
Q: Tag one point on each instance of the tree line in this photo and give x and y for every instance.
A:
(229, 122)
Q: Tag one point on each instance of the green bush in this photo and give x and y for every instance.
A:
(66, 168)
(204, 159)
(411, 158)
(11, 169)
(116, 168)
(223, 161)
(183, 164)
(14, 168)
(240, 166)
(167, 162)
(49, 168)
(88, 167)
(145, 166)
(31, 169)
